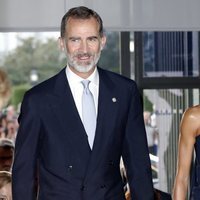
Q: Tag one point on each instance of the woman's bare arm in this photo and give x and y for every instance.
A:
(189, 129)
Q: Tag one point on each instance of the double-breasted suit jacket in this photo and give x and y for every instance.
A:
(52, 142)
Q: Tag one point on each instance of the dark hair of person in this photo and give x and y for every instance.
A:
(80, 12)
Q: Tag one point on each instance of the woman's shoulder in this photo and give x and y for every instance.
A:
(191, 120)
(193, 112)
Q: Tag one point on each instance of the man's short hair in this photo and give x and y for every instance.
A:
(80, 12)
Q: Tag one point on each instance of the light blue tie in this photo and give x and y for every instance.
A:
(88, 112)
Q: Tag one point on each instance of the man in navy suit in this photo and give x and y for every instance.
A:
(52, 141)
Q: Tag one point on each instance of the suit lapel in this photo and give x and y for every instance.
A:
(107, 109)
(64, 108)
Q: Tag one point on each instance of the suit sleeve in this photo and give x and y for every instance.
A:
(25, 158)
(135, 151)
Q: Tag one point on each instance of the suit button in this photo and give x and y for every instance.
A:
(111, 163)
(69, 168)
(103, 186)
(82, 188)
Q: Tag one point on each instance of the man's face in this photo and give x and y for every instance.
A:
(82, 44)
(6, 158)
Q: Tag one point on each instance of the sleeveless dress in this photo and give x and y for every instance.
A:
(195, 185)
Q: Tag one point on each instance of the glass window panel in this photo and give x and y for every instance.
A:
(170, 54)
(110, 58)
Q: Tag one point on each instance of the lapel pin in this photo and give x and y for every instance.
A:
(114, 99)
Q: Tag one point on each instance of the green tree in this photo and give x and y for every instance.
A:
(18, 93)
(32, 53)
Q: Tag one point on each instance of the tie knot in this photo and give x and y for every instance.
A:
(85, 84)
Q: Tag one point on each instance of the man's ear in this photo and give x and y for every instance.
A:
(61, 44)
(103, 42)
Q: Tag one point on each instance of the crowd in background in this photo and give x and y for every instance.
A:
(8, 131)
(8, 123)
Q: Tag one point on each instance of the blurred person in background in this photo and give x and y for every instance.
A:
(10, 112)
(11, 130)
(8, 126)
(5, 89)
(6, 145)
(152, 133)
(5, 185)
(3, 126)
(8, 117)
(6, 154)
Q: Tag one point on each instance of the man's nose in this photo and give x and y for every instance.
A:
(84, 46)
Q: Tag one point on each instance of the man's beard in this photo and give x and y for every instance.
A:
(86, 66)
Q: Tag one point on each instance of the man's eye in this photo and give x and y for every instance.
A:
(92, 39)
(74, 40)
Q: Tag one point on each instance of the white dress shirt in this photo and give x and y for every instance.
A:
(77, 88)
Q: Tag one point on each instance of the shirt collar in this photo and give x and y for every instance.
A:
(74, 78)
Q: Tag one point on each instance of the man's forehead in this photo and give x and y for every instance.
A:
(74, 24)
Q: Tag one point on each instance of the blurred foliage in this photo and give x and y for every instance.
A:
(32, 53)
(18, 94)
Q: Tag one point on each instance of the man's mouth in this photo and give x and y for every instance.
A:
(83, 56)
